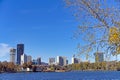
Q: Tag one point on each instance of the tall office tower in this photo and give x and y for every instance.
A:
(75, 60)
(20, 51)
(62, 61)
(12, 55)
(29, 58)
(39, 61)
(99, 57)
(51, 61)
(23, 59)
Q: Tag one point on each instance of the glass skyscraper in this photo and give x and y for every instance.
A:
(20, 51)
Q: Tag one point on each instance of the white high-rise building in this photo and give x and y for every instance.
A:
(12, 55)
(62, 61)
(23, 59)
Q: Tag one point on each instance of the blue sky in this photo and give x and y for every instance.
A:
(45, 27)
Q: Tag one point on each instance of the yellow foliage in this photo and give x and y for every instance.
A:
(114, 38)
(118, 50)
(114, 35)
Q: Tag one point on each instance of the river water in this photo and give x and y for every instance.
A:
(79, 75)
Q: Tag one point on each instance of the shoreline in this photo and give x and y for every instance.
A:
(60, 71)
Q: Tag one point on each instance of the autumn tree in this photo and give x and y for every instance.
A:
(114, 40)
(24, 65)
(11, 66)
(97, 19)
(5, 65)
(1, 66)
(29, 65)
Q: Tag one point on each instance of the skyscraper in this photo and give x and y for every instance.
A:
(12, 55)
(62, 61)
(75, 60)
(20, 51)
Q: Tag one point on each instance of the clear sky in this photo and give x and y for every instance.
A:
(45, 27)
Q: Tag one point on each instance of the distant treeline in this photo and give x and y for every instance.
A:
(11, 67)
(96, 66)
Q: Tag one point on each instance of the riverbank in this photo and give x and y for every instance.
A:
(62, 71)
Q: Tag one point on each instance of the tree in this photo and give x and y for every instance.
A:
(29, 65)
(11, 66)
(24, 65)
(5, 64)
(97, 18)
(1, 66)
(114, 40)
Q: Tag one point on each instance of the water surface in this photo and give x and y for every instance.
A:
(81, 75)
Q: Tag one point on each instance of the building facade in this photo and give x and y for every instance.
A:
(29, 58)
(62, 61)
(23, 59)
(99, 57)
(39, 61)
(51, 61)
(75, 60)
(34, 62)
(20, 51)
(66, 62)
(12, 55)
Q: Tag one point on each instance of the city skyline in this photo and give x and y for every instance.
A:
(14, 55)
(46, 28)
(17, 56)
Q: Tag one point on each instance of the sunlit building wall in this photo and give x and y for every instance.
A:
(23, 59)
(62, 61)
(12, 55)
(75, 60)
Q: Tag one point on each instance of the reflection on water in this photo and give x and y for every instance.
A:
(86, 75)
